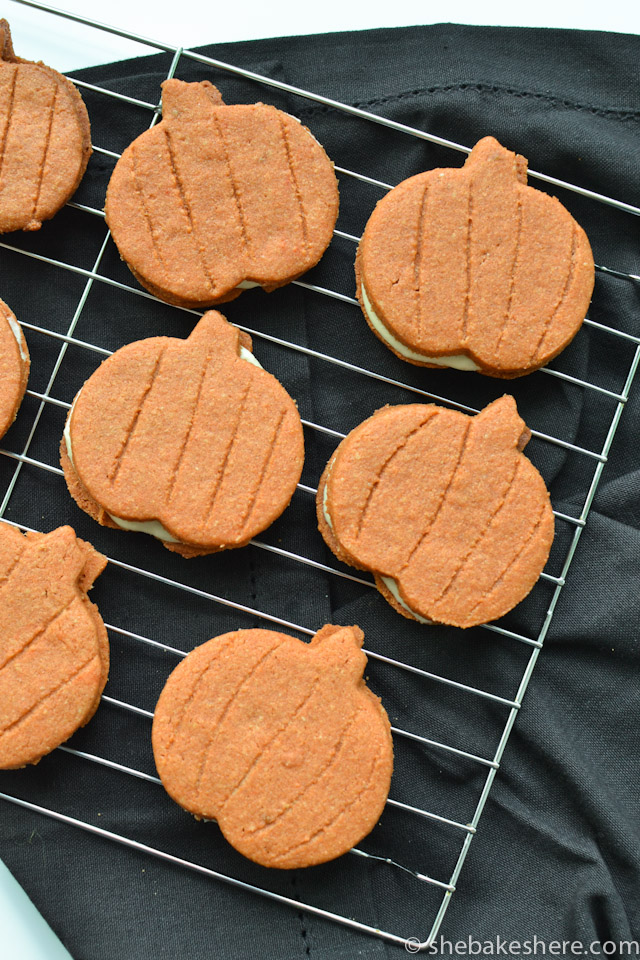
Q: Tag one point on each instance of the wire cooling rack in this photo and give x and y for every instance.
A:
(48, 413)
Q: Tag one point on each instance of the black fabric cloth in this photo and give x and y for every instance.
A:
(557, 853)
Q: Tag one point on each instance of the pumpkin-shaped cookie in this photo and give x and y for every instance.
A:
(45, 140)
(218, 198)
(445, 510)
(54, 652)
(278, 740)
(189, 440)
(14, 367)
(471, 268)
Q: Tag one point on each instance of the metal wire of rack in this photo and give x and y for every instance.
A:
(533, 640)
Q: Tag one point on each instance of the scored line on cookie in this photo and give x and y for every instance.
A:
(245, 609)
(621, 275)
(354, 239)
(576, 521)
(449, 886)
(621, 398)
(493, 628)
(426, 741)
(91, 275)
(387, 186)
(463, 687)
(305, 630)
(367, 583)
(399, 127)
(409, 808)
(280, 551)
(602, 459)
(318, 98)
(335, 360)
(398, 804)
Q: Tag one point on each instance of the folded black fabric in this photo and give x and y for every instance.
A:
(557, 854)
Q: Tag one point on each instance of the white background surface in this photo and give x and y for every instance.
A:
(65, 45)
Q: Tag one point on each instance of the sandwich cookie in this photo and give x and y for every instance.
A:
(188, 440)
(216, 199)
(278, 740)
(452, 519)
(54, 652)
(14, 367)
(473, 269)
(45, 139)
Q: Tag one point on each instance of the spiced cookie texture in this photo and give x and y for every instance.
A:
(45, 139)
(217, 198)
(445, 510)
(54, 652)
(188, 440)
(473, 269)
(14, 367)
(278, 740)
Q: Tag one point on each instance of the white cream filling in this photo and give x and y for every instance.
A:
(67, 430)
(389, 582)
(17, 332)
(392, 587)
(153, 527)
(298, 120)
(250, 284)
(459, 361)
(325, 510)
(249, 357)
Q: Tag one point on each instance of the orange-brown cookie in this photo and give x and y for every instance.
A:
(217, 198)
(189, 440)
(444, 509)
(14, 367)
(54, 652)
(278, 740)
(45, 140)
(471, 268)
